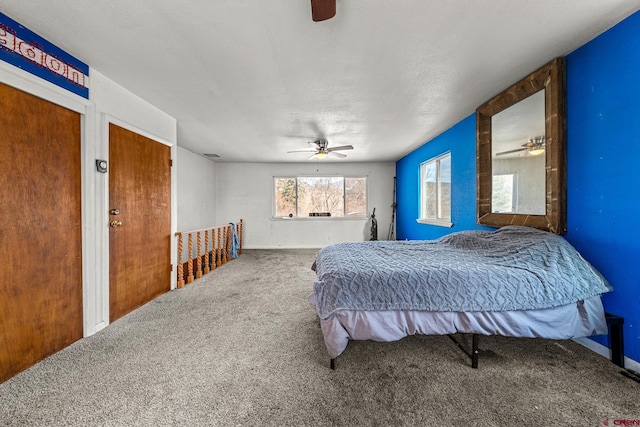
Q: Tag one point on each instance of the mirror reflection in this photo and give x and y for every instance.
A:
(517, 157)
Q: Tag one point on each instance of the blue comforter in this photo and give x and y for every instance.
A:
(513, 268)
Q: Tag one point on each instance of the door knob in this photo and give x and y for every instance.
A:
(115, 223)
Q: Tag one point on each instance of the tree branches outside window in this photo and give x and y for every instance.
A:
(330, 196)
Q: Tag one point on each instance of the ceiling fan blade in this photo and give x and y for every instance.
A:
(333, 153)
(512, 151)
(313, 156)
(342, 147)
(302, 151)
(323, 9)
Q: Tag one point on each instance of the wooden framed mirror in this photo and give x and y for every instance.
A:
(520, 153)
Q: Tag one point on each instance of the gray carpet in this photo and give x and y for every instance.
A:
(242, 346)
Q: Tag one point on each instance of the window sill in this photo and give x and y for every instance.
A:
(437, 222)
(320, 218)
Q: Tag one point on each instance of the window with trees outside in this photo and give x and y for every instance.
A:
(435, 191)
(503, 193)
(311, 196)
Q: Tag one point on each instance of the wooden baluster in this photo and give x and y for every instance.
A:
(206, 252)
(225, 254)
(190, 260)
(214, 239)
(229, 241)
(180, 269)
(213, 248)
(225, 238)
(209, 246)
(220, 240)
(199, 256)
(218, 251)
(239, 231)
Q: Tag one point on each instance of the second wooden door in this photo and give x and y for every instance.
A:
(140, 220)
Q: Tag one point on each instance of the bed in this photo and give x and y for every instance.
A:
(516, 281)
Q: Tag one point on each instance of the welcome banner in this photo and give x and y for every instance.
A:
(26, 50)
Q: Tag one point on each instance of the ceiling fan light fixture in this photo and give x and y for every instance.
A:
(538, 146)
(321, 155)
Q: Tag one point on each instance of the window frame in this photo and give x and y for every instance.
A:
(439, 220)
(316, 218)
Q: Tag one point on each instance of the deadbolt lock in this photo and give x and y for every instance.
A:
(115, 211)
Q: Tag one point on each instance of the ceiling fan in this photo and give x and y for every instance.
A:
(322, 10)
(321, 149)
(533, 147)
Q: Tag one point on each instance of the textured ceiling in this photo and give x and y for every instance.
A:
(250, 80)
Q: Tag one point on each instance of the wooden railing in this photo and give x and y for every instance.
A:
(213, 247)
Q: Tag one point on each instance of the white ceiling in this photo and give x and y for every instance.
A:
(250, 80)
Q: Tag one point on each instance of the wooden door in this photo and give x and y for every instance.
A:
(140, 239)
(40, 230)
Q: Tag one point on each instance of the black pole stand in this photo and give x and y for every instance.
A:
(390, 235)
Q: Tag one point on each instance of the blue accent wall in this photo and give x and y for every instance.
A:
(603, 166)
(460, 140)
(603, 170)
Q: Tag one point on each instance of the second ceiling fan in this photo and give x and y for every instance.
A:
(321, 149)
(322, 10)
(533, 147)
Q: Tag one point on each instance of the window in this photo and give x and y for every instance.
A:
(435, 191)
(306, 196)
(503, 196)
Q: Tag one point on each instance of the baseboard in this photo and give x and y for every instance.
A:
(283, 247)
(605, 352)
(95, 329)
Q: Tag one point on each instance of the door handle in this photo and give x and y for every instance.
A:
(115, 223)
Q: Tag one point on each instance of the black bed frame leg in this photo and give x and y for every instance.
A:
(474, 353)
(332, 364)
(475, 341)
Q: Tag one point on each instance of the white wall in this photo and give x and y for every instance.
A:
(245, 191)
(117, 102)
(196, 191)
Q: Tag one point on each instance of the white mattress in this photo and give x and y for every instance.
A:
(581, 319)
